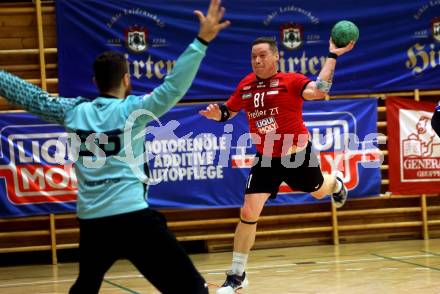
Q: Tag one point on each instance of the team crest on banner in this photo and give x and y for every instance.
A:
(136, 39)
(435, 28)
(415, 169)
(292, 35)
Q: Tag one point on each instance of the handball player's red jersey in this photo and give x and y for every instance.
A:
(274, 109)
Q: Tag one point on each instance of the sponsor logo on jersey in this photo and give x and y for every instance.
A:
(274, 83)
(266, 125)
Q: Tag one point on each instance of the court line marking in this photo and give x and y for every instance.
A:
(413, 256)
(407, 262)
(421, 268)
(378, 258)
(347, 261)
(353, 269)
(430, 252)
(65, 281)
(294, 264)
(36, 283)
(213, 271)
(320, 270)
(285, 271)
(125, 277)
(120, 287)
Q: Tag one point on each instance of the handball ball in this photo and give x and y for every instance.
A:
(343, 32)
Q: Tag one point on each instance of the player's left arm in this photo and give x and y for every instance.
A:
(34, 99)
(321, 87)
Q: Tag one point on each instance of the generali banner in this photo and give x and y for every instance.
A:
(415, 158)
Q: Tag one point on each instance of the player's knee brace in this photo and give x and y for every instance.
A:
(247, 222)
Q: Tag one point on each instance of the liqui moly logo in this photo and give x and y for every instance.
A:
(335, 140)
(266, 125)
(35, 164)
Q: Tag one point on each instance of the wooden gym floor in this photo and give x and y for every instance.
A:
(386, 267)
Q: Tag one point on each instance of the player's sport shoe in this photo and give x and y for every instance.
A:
(340, 197)
(233, 283)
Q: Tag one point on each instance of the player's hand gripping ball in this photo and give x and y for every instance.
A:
(343, 32)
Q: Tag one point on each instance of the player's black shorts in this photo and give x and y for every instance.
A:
(143, 238)
(300, 171)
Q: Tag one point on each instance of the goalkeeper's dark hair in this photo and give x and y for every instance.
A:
(109, 68)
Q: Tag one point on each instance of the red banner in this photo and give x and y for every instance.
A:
(414, 147)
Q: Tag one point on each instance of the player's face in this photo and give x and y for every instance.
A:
(264, 61)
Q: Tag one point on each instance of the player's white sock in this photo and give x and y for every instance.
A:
(239, 261)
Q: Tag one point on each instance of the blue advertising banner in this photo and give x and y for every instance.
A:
(197, 162)
(398, 48)
(194, 162)
(35, 177)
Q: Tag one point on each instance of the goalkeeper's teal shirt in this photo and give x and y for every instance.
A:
(110, 180)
